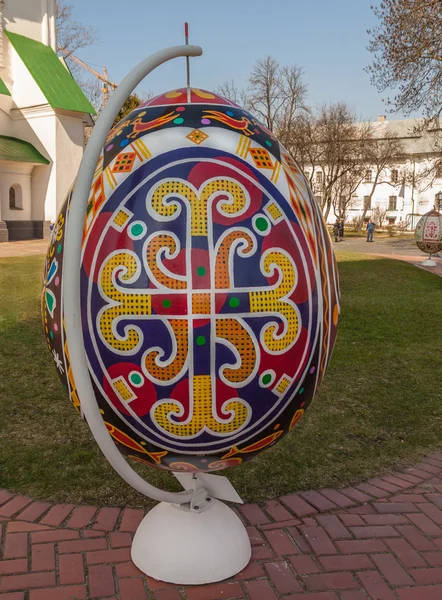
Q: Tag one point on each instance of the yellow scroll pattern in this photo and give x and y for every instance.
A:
(235, 200)
(202, 416)
(170, 371)
(158, 243)
(272, 300)
(122, 266)
(233, 331)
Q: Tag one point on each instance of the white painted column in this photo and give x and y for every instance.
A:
(1, 33)
(44, 22)
(52, 10)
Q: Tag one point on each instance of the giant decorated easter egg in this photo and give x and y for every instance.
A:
(428, 232)
(209, 289)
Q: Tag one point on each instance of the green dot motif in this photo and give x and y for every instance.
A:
(201, 271)
(136, 378)
(266, 379)
(261, 224)
(137, 229)
(167, 303)
(234, 302)
(200, 340)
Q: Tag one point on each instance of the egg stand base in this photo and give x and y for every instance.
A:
(189, 546)
(429, 263)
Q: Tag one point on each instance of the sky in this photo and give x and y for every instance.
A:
(326, 38)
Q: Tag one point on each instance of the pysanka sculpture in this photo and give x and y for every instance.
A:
(428, 235)
(191, 302)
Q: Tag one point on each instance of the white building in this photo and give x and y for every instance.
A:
(43, 113)
(402, 203)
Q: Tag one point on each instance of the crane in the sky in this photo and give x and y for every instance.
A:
(102, 77)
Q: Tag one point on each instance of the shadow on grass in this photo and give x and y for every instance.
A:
(379, 408)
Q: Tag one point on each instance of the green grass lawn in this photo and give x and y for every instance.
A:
(379, 408)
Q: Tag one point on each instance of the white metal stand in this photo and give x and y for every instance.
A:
(429, 262)
(190, 547)
(189, 538)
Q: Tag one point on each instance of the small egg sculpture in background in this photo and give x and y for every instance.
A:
(209, 288)
(428, 233)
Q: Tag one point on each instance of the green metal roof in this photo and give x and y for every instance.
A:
(20, 151)
(3, 89)
(54, 80)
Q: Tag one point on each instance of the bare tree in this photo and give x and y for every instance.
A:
(407, 49)
(381, 155)
(276, 93)
(331, 145)
(229, 91)
(379, 215)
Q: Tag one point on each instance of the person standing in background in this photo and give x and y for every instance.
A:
(341, 230)
(336, 230)
(370, 231)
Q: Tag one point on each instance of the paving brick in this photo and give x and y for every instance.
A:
(408, 477)
(81, 517)
(304, 565)
(66, 593)
(281, 524)
(384, 485)
(434, 498)
(433, 592)
(397, 481)
(130, 519)
(434, 559)
(132, 589)
(16, 545)
(351, 520)
(18, 565)
(57, 535)
(261, 553)
(19, 526)
(346, 563)
(425, 466)
(427, 576)
(254, 536)
(120, 539)
(254, 514)
(15, 505)
(216, 591)
(432, 511)
(353, 595)
(376, 586)
(372, 490)
(71, 568)
(318, 540)
(391, 569)
(386, 519)
(314, 596)
(336, 497)
(280, 542)
(127, 569)
(395, 507)
(57, 514)
(330, 581)
(258, 590)
(297, 505)
(43, 557)
(34, 511)
(410, 498)
(424, 523)
(170, 594)
(82, 545)
(106, 519)
(334, 527)
(252, 571)
(13, 596)
(318, 500)
(361, 546)
(300, 541)
(364, 509)
(282, 577)
(92, 533)
(101, 581)
(406, 553)
(26, 580)
(108, 556)
(415, 537)
(421, 474)
(374, 531)
(355, 494)
(276, 510)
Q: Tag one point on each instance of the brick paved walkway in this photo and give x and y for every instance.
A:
(381, 539)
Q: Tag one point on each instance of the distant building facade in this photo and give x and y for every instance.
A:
(402, 202)
(43, 113)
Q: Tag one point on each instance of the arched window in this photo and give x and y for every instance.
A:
(12, 198)
(15, 197)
